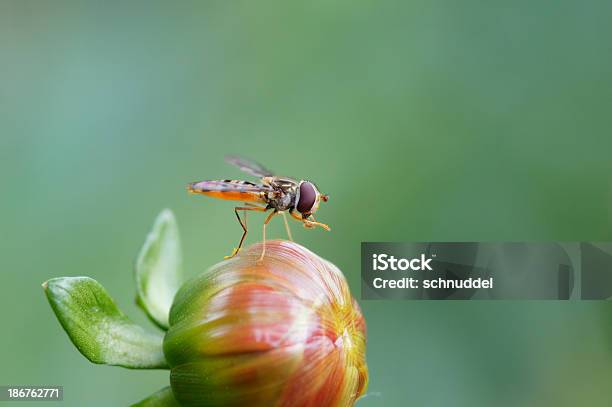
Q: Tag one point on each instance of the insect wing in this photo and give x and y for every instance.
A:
(249, 166)
(230, 190)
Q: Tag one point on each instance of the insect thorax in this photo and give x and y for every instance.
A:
(283, 196)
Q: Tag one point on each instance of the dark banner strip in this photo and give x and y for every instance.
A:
(486, 271)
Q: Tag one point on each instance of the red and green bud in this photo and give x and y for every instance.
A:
(284, 331)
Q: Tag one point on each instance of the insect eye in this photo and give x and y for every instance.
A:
(308, 196)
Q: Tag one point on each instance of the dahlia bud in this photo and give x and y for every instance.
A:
(284, 331)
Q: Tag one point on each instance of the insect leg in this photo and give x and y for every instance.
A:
(263, 250)
(287, 228)
(243, 225)
(312, 223)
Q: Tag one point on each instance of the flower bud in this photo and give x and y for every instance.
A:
(284, 331)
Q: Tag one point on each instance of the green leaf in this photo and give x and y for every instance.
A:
(159, 269)
(98, 328)
(163, 398)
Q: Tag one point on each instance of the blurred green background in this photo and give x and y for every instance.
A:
(423, 120)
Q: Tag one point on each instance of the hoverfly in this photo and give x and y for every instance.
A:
(279, 194)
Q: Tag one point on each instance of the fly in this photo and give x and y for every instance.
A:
(276, 194)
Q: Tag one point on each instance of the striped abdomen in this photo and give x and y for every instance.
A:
(234, 190)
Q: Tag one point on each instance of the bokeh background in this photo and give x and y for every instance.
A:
(423, 120)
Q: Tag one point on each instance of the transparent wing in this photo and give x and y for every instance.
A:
(230, 189)
(226, 186)
(249, 166)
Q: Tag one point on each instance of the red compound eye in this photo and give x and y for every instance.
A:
(308, 196)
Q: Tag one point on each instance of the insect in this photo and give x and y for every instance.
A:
(278, 194)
